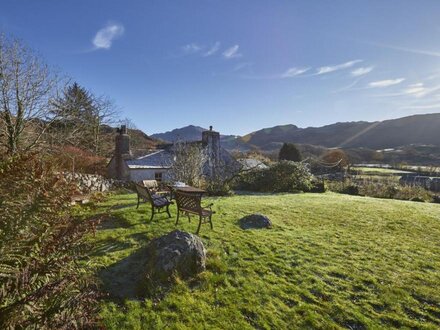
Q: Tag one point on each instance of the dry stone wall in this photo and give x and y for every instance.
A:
(89, 183)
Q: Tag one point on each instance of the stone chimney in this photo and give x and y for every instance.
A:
(211, 141)
(122, 142)
(122, 152)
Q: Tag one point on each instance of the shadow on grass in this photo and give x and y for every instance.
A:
(121, 280)
(112, 222)
(257, 193)
(108, 246)
(122, 206)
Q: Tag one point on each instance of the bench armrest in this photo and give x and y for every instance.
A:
(209, 205)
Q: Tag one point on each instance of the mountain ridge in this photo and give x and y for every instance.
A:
(390, 133)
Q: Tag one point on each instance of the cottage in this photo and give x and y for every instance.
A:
(157, 164)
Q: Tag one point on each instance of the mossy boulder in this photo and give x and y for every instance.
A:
(177, 253)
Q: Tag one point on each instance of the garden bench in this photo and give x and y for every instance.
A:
(159, 203)
(191, 203)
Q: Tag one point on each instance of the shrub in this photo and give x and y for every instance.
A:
(43, 283)
(413, 193)
(73, 159)
(337, 157)
(284, 176)
(289, 151)
(318, 187)
(381, 189)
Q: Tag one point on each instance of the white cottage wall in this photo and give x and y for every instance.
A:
(140, 174)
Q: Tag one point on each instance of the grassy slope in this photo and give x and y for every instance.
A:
(330, 261)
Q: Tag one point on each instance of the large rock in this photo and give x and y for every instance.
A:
(255, 221)
(178, 252)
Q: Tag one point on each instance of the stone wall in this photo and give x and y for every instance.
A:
(89, 183)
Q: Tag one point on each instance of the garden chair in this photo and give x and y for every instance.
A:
(190, 203)
(155, 187)
(159, 203)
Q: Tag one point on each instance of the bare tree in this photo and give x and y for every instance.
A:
(26, 88)
(188, 163)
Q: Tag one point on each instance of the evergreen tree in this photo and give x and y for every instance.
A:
(289, 151)
(81, 115)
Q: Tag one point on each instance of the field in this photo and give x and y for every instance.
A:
(378, 171)
(330, 261)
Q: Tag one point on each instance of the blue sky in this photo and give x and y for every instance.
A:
(242, 65)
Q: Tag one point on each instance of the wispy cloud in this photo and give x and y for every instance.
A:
(332, 68)
(241, 66)
(293, 72)
(385, 83)
(417, 90)
(105, 36)
(361, 71)
(192, 48)
(213, 49)
(406, 49)
(232, 52)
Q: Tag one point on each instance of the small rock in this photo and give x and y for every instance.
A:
(255, 221)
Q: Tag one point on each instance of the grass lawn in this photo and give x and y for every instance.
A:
(330, 261)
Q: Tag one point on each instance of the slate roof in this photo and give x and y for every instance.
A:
(158, 159)
(252, 163)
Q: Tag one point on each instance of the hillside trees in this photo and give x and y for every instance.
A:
(336, 157)
(289, 151)
(26, 87)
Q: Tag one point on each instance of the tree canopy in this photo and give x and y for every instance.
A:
(289, 151)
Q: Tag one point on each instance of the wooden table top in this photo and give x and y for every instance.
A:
(189, 189)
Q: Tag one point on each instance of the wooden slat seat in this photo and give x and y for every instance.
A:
(159, 203)
(191, 203)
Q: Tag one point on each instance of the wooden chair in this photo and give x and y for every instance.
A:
(190, 203)
(155, 187)
(159, 204)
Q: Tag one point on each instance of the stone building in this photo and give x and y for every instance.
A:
(157, 164)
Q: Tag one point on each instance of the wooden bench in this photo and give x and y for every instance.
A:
(159, 203)
(191, 203)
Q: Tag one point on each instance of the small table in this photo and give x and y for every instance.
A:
(189, 189)
(186, 189)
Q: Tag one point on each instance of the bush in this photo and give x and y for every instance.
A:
(318, 187)
(43, 283)
(289, 151)
(381, 189)
(284, 176)
(73, 159)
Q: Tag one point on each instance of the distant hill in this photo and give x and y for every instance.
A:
(139, 141)
(187, 133)
(417, 129)
(194, 133)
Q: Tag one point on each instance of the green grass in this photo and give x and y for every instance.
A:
(378, 171)
(330, 261)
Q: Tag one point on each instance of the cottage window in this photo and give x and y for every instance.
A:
(158, 176)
